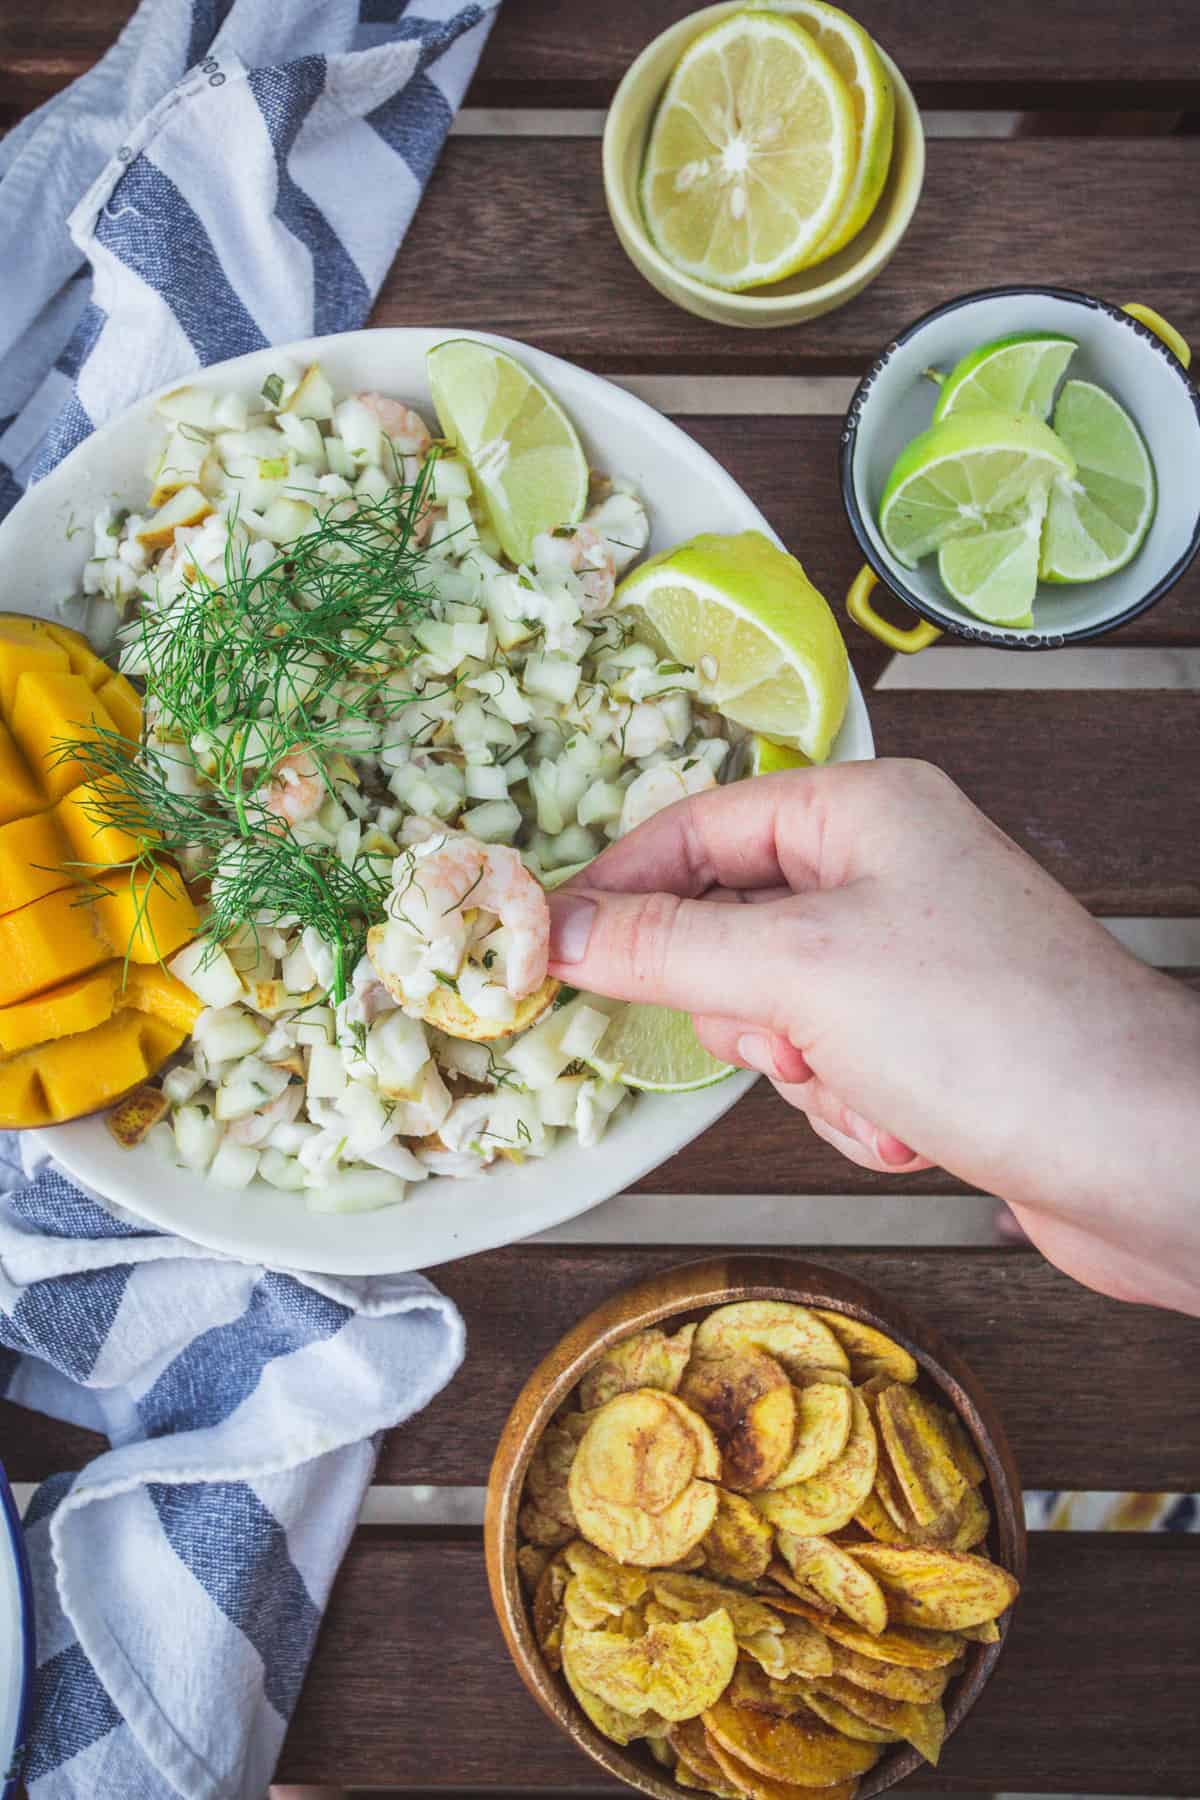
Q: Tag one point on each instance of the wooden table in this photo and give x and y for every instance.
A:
(410, 1689)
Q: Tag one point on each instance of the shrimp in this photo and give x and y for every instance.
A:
(296, 790)
(584, 553)
(436, 881)
(406, 428)
(661, 786)
(256, 1127)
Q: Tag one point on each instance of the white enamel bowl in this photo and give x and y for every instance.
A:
(1120, 352)
(16, 1642)
(42, 554)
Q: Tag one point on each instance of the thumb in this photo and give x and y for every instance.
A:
(698, 956)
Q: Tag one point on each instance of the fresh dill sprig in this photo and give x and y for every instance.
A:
(278, 656)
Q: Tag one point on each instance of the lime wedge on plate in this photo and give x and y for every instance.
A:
(1018, 374)
(745, 616)
(994, 574)
(653, 1048)
(1097, 522)
(965, 475)
(769, 758)
(752, 153)
(852, 52)
(524, 453)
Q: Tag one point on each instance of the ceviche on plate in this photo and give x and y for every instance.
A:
(400, 675)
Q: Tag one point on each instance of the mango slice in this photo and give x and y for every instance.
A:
(86, 1009)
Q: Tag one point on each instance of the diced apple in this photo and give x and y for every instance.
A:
(180, 464)
(188, 406)
(313, 395)
(188, 507)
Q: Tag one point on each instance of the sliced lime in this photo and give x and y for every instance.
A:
(524, 452)
(1018, 374)
(751, 155)
(653, 1048)
(744, 615)
(768, 758)
(994, 574)
(964, 475)
(1097, 522)
(853, 53)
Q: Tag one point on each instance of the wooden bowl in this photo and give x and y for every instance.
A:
(690, 1289)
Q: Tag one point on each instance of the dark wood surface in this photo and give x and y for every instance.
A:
(992, 213)
(1076, 53)
(1095, 1694)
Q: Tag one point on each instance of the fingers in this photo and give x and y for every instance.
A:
(695, 955)
(751, 834)
(857, 1138)
(749, 1047)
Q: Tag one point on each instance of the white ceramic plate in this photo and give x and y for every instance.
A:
(16, 1641)
(42, 554)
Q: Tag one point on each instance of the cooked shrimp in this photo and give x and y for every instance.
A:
(256, 1127)
(662, 786)
(406, 428)
(586, 554)
(296, 790)
(621, 521)
(433, 884)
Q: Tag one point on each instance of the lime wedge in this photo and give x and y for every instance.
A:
(751, 155)
(769, 758)
(653, 1048)
(994, 574)
(745, 616)
(1017, 374)
(556, 878)
(964, 475)
(852, 52)
(524, 453)
(1097, 522)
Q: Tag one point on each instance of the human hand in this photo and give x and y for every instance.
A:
(925, 993)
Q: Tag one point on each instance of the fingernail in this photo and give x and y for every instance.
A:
(756, 1052)
(890, 1150)
(571, 918)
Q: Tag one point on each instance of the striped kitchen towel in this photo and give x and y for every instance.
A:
(180, 1578)
(234, 173)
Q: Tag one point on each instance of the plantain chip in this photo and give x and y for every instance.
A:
(901, 1644)
(869, 1350)
(794, 1336)
(610, 1721)
(661, 1751)
(532, 1560)
(751, 1785)
(986, 1632)
(688, 1741)
(582, 1609)
(676, 1671)
(959, 1530)
(747, 1400)
(824, 1410)
(805, 1754)
(136, 1113)
(541, 1530)
(446, 1011)
(837, 1576)
(550, 1465)
(827, 1501)
(693, 1597)
(781, 1576)
(920, 1723)
(637, 1452)
(833, 1713)
(796, 1650)
(686, 1777)
(548, 1607)
(650, 1540)
(752, 1686)
(648, 1359)
(961, 1448)
(894, 1680)
(739, 1545)
(608, 1585)
(938, 1590)
(921, 1454)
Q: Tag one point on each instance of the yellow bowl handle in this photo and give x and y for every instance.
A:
(1162, 328)
(858, 605)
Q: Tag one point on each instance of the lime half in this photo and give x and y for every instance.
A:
(653, 1048)
(853, 54)
(1097, 522)
(524, 453)
(994, 574)
(965, 475)
(743, 614)
(1018, 374)
(751, 155)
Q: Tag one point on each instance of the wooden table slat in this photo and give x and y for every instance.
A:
(1076, 54)
(411, 1686)
(990, 215)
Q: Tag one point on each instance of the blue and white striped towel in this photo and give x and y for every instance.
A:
(233, 173)
(180, 1578)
